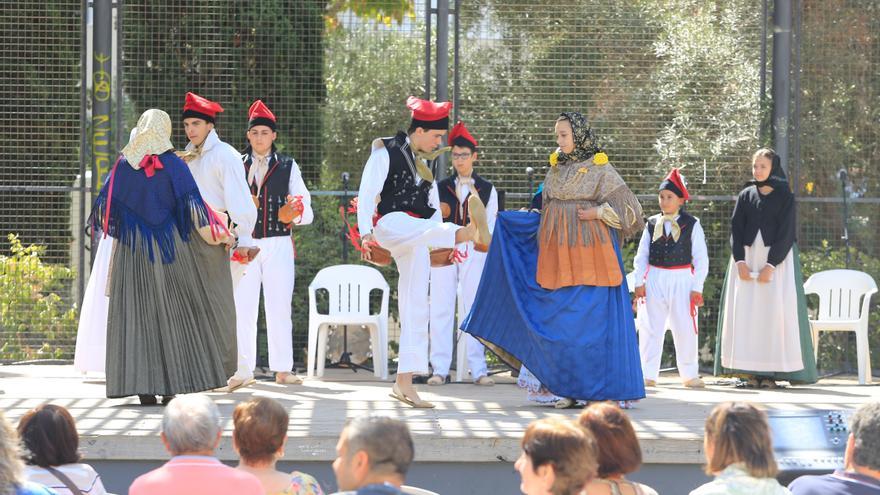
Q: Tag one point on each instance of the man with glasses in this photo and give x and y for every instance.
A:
(462, 277)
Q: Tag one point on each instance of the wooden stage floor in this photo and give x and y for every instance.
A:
(470, 423)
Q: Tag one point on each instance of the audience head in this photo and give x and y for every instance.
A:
(11, 465)
(49, 435)
(559, 458)
(260, 430)
(372, 449)
(737, 432)
(863, 445)
(191, 425)
(617, 446)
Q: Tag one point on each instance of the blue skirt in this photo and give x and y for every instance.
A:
(579, 341)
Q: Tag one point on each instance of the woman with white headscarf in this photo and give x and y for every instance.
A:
(171, 317)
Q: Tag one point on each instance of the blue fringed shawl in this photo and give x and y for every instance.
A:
(144, 210)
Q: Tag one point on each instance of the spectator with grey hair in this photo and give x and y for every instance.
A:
(861, 473)
(191, 431)
(372, 456)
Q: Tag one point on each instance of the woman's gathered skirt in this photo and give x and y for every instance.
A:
(580, 342)
(171, 327)
(763, 328)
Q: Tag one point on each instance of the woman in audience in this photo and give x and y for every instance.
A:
(618, 451)
(259, 437)
(738, 452)
(12, 480)
(558, 457)
(51, 444)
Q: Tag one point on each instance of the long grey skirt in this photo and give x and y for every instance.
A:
(170, 327)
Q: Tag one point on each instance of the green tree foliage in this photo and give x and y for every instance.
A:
(232, 52)
(35, 321)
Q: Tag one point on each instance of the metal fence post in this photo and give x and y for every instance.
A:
(781, 77)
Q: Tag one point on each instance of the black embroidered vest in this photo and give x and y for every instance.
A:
(272, 196)
(459, 214)
(665, 252)
(400, 192)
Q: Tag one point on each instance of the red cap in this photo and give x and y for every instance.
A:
(259, 114)
(675, 182)
(428, 114)
(199, 107)
(460, 136)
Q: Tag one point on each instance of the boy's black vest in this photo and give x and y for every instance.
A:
(665, 252)
(459, 214)
(272, 196)
(400, 192)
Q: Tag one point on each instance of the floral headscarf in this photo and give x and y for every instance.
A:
(585, 142)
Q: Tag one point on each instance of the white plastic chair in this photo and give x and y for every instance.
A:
(844, 306)
(349, 288)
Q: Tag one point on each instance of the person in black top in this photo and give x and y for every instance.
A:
(763, 331)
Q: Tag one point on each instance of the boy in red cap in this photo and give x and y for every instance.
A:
(277, 188)
(461, 278)
(398, 188)
(216, 167)
(670, 268)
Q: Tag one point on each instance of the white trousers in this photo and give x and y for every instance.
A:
(409, 239)
(272, 270)
(668, 305)
(448, 283)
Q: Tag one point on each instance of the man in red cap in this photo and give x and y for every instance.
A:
(398, 187)
(216, 167)
(277, 188)
(670, 268)
(463, 277)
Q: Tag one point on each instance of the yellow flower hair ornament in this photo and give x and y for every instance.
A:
(554, 158)
(600, 158)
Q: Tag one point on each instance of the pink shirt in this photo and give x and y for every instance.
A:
(185, 475)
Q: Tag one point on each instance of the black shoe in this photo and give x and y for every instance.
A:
(166, 399)
(148, 400)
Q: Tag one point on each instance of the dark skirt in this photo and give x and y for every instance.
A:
(171, 327)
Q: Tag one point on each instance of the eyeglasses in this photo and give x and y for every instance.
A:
(461, 156)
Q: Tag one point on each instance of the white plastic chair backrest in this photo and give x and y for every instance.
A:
(349, 287)
(414, 490)
(840, 293)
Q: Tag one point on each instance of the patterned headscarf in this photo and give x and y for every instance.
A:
(585, 142)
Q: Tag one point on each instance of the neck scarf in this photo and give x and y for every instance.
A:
(660, 228)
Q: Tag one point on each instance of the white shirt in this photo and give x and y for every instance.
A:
(491, 206)
(699, 253)
(295, 187)
(222, 184)
(372, 182)
(82, 475)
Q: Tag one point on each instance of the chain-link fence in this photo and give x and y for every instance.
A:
(664, 83)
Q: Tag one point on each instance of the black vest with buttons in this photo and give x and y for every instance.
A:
(459, 214)
(665, 252)
(400, 192)
(272, 196)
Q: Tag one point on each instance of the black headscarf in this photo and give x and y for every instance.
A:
(585, 142)
(777, 176)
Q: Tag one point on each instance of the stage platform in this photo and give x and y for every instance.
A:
(478, 426)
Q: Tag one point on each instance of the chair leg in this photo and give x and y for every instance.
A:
(863, 353)
(322, 349)
(377, 353)
(311, 349)
(382, 363)
(815, 333)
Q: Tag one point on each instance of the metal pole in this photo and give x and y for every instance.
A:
(121, 138)
(762, 96)
(345, 179)
(83, 154)
(781, 78)
(442, 70)
(455, 81)
(428, 49)
(102, 70)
